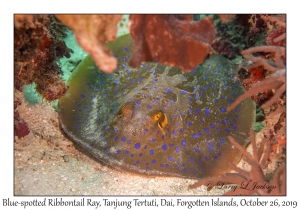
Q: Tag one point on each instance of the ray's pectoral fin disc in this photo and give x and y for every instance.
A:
(156, 120)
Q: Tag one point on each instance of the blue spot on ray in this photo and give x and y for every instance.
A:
(223, 109)
(207, 111)
(137, 145)
(151, 152)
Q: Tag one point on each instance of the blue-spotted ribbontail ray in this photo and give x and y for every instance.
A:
(156, 120)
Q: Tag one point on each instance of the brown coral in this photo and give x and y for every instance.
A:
(38, 44)
(276, 30)
(173, 40)
(254, 181)
(20, 126)
(226, 17)
(271, 58)
(91, 32)
(252, 76)
(276, 80)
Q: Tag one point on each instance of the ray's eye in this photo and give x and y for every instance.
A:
(161, 120)
(157, 116)
(127, 110)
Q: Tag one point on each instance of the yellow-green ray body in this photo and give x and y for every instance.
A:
(156, 120)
